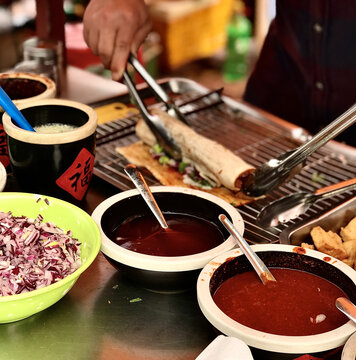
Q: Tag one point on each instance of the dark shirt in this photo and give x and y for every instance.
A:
(306, 72)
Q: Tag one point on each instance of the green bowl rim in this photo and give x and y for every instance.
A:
(76, 273)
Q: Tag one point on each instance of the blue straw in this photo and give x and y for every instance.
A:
(7, 104)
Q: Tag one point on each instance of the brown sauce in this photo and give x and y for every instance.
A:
(186, 235)
(298, 304)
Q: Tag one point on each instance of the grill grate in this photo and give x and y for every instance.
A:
(249, 135)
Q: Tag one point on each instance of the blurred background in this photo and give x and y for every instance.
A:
(214, 42)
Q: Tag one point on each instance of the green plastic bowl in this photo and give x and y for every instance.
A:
(65, 216)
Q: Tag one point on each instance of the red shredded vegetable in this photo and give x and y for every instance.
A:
(34, 254)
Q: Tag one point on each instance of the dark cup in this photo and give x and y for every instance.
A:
(58, 164)
(21, 88)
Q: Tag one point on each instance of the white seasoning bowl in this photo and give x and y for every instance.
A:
(276, 255)
(163, 273)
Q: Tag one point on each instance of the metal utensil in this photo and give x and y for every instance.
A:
(158, 91)
(347, 307)
(276, 171)
(294, 205)
(155, 124)
(141, 185)
(262, 271)
(163, 136)
(7, 104)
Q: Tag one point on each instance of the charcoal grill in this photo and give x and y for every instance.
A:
(249, 133)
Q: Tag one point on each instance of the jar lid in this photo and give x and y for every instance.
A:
(35, 48)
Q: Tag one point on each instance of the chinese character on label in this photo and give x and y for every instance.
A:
(75, 180)
(4, 155)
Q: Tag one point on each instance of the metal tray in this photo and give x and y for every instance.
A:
(249, 133)
(332, 220)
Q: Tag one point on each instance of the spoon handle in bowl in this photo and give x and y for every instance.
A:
(259, 266)
(141, 185)
(347, 307)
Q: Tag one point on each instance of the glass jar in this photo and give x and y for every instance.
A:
(44, 57)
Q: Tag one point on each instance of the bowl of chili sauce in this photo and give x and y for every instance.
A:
(294, 316)
(164, 260)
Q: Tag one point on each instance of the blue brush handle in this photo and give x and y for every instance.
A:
(7, 104)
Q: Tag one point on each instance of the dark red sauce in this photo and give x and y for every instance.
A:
(186, 235)
(298, 304)
(17, 88)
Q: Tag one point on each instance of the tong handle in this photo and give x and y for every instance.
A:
(157, 127)
(342, 184)
(161, 94)
(171, 108)
(135, 95)
(336, 191)
(322, 137)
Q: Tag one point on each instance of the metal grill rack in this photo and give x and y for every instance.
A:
(247, 133)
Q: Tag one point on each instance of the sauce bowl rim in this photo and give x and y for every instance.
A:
(165, 263)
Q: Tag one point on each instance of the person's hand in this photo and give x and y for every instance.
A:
(113, 28)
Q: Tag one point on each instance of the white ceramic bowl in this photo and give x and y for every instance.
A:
(270, 343)
(3, 177)
(159, 272)
(349, 350)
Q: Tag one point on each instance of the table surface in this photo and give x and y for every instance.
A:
(96, 319)
(83, 86)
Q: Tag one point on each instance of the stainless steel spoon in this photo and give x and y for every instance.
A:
(141, 185)
(259, 266)
(294, 205)
(346, 307)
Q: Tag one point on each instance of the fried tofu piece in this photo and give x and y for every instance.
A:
(328, 242)
(350, 248)
(348, 233)
(307, 246)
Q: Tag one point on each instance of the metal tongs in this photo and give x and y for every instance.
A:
(276, 171)
(155, 124)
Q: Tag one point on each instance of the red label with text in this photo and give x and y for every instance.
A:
(75, 180)
(4, 155)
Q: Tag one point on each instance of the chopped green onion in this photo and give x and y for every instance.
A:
(205, 182)
(135, 300)
(163, 160)
(182, 165)
(316, 177)
(157, 148)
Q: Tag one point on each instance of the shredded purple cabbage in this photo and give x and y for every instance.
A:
(34, 254)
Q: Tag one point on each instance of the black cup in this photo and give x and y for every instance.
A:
(55, 164)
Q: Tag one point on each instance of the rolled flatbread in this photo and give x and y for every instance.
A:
(213, 161)
(219, 164)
